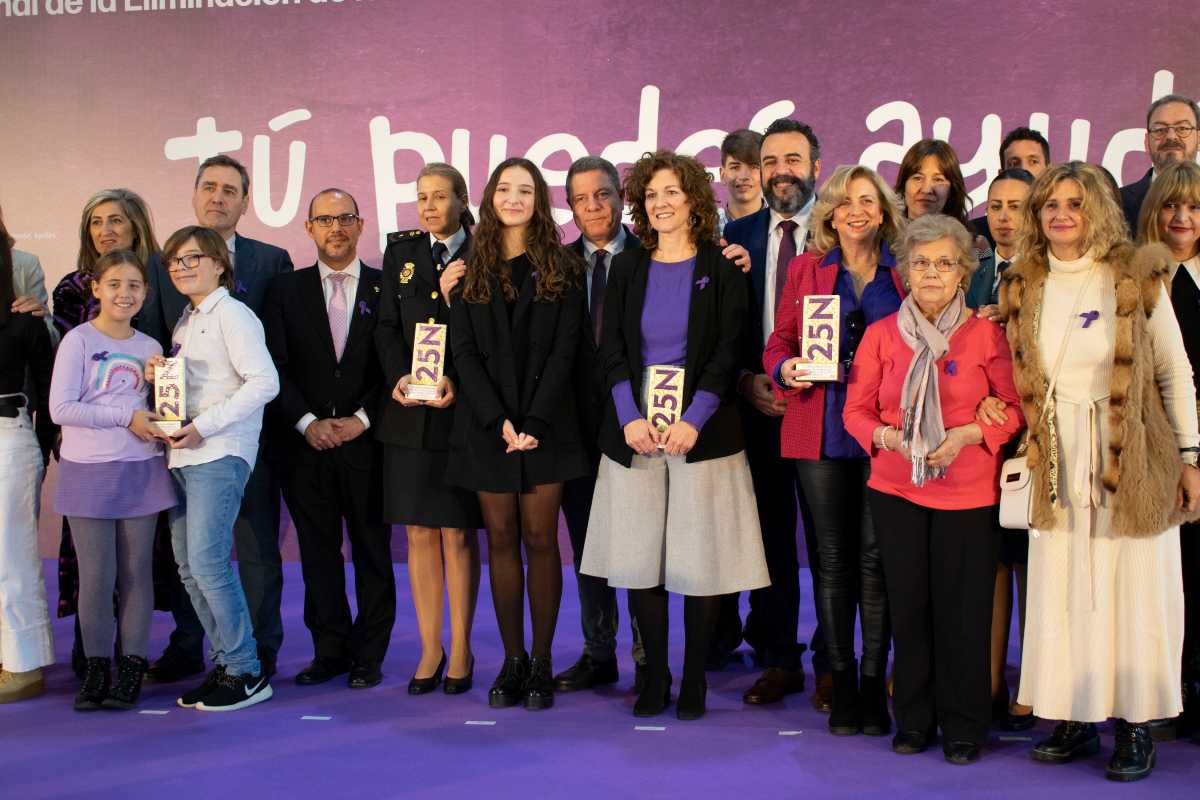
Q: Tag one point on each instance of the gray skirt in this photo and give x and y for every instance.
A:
(692, 528)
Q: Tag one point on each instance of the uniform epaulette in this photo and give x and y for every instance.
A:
(401, 236)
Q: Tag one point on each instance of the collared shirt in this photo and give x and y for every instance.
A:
(724, 219)
(229, 243)
(998, 273)
(1192, 265)
(452, 244)
(774, 237)
(230, 378)
(615, 246)
(352, 273)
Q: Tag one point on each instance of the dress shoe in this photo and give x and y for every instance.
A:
(1068, 741)
(872, 692)
(174, 665)
(822, 697)
(773, 685)
(539, 686)
(366, 676)
(508, 688)
(1133, 753)
(1015, 723)
(908, 743)
(16, 686)
(460, 685)
(321, 670)
(844, 718)
(961, 753)
(1164, 730)
(267, 660)
(586, 673)
(691, 702)
(426, 685)
(654, 697)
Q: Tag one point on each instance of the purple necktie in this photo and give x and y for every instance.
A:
(339, 318)
(599, 282)
(787, 251)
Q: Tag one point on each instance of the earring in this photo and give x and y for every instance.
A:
(693, 221)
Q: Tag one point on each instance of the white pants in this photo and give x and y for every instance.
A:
(26, 638)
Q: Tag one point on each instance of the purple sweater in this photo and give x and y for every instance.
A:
(98, 383)
(664, 338)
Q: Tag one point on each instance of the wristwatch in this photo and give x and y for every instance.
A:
(1190, 455)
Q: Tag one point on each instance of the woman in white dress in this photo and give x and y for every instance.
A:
(1113, 465)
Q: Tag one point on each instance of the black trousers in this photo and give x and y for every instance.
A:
(848, 560)
(321, 490)
(940, 568)
(1189, 547)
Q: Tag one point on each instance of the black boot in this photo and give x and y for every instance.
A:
(96, 679)
(509, 686)
(128, 688)
(1133, 753)
(539, 686)
(655, 696)
(872, 693)
(692, 695)
(844, 715)
(1069, 740)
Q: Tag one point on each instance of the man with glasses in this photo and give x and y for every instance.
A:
(220, 197)
(320, 325)
(1170, 135)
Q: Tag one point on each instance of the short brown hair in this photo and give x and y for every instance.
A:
(210, 243)
(742, 144)
(693, 179)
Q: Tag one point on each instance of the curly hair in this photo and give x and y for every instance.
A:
(556, 268)
(957, 203)
(1178, 182)
(1104, 222)
(138, 213)
(695, 182)
(837, 190)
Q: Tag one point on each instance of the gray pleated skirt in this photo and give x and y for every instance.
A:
(692, 528)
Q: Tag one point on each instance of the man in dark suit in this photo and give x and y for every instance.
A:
(220, 197)
(1022, 148)
(1171, 134)
(790, 159)
(594, 191)
(320, 325)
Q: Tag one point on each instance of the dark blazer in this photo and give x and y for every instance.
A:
(405, 301)
(519, 370)
(716, 318)
(1132, 196)
(255, 265)
(591, 389)
(311, 379)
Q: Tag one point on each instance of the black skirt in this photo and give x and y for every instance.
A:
(415, 491)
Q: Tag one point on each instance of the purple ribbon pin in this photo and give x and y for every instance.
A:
(363, 308)
(174, 350)
(951, 367)
(101, 356)
(239, 287)
(703, 283)
(1089, 317)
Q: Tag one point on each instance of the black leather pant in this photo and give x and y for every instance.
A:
(835, 492)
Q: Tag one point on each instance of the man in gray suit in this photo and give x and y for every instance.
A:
(29, 284)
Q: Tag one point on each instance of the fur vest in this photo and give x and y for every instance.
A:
(1141, 464)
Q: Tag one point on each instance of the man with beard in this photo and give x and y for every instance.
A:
(1170, 135)
(741, 175)
(790, 159)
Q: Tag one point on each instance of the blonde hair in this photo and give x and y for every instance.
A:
(931, 228)
(1177, 182)
(135, 209)
(1105, 224)
(837, 191)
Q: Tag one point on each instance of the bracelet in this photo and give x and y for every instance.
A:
(883, 439)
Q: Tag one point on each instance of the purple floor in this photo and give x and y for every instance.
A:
(331, 742)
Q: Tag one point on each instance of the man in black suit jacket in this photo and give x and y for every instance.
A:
(594, 191)
(219, 199)
(320, 324)
(1170, 134)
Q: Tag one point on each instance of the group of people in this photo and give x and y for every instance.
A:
(1032, 329)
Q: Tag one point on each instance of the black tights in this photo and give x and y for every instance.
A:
(530, 519)
(699, 616)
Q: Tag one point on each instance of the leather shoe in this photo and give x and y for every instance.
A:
(509, 687)
(773, 685)
(654, 697)
(822, 698)
(908, 743)
(460, 685)
(364, 676)
(173, 665)
(426, 685)
(1133, 753)
(322, 670)
(961, 753)
(586, 673)
(1068, 741)
(1164, 730)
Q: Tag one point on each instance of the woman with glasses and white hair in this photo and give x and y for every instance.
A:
(918, 378)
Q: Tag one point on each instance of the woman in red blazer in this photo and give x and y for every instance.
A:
(855, 218)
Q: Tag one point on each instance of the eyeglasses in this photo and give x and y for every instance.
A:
(185, 263)
(922, 264)
(1183, 130)
(326, 221)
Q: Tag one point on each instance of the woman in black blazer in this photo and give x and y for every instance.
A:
(674, 506)
(514, 330)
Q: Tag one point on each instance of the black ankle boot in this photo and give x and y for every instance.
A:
(1069, 740)
(96, 679)
(1133, 753)
(539, 686)
(655, 695)
(691, 702)
(128, 688)
(509, 686)
(873, 705)
(844, 715)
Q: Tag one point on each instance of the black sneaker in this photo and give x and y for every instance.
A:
(235, 692)
(192, 699)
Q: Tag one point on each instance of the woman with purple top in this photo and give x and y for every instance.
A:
(674, 506)
(99, 397)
